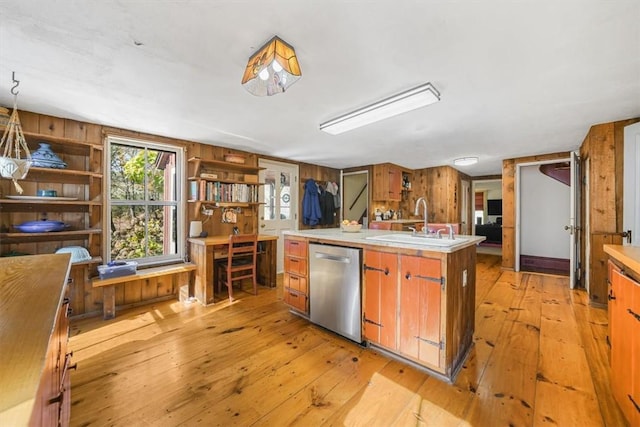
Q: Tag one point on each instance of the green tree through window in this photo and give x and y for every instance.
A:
(144, 209)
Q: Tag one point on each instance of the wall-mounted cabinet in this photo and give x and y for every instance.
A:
(388, 182)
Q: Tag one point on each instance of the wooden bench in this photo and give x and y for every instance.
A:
(109, 285)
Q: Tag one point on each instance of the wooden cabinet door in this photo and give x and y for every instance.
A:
(419, 311)
(633, 318)
(380, 182)
(387, 182)
(380, 297)
(395, 183)
(621, 348)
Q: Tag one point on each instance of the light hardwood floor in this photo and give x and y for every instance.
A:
(540, 358)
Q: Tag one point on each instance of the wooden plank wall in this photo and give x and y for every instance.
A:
(603, 146)
(441, 185)
(320, 174)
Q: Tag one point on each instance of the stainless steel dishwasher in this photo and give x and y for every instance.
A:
(334, 289)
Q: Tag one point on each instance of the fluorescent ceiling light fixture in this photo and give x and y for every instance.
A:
(411, 99)
(465, 161)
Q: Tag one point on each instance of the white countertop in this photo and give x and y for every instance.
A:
(360, 238)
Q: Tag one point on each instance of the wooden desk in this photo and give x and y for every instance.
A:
(203, 251)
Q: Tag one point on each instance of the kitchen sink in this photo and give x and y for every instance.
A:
(420, 240)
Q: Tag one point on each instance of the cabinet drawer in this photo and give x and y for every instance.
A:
(295, 248)
(297, 283)
(295, 265)
(295, 300)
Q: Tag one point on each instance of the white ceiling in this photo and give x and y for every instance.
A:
(516, 78)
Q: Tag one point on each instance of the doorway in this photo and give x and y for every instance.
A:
(547, 220)
(279, 198)
(355, 197)
(486, 209)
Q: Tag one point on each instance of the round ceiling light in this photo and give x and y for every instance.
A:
(465, 161)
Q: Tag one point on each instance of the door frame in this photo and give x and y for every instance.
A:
(343, 192)
(465, 206)
(294, 206)
(572, 262)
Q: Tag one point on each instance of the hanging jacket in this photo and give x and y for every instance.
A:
(333, 188)
(327, 208)
(311, 214)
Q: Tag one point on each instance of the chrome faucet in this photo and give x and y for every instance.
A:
(451, 233)
(425, 228)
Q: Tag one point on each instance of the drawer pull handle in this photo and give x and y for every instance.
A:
(610, 297)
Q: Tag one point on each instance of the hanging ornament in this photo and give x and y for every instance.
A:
(16, 157)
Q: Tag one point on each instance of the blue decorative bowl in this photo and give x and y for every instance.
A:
(43, 157)
(42, 226)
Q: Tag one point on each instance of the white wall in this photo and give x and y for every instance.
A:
(544, 211)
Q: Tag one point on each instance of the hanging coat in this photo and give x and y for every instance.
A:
(327, 208)
(311, 214)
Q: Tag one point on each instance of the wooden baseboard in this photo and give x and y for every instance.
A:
(538, 264)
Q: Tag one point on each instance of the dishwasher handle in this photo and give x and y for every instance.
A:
(331, 257)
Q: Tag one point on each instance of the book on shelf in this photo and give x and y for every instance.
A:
(215, 191)
(209, 175)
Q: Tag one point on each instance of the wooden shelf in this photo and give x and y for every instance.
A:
(223, 165)
(94, 260)
(224, 181)
(49, 236)
(65, 176)
(59, 144)
(11, 205)
(226, 204)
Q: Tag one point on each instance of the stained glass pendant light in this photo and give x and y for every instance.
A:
(272, 69)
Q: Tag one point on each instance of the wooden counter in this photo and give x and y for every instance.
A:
(627, 255)
(33, 337)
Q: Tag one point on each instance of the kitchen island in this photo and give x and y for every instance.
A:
(417, 294)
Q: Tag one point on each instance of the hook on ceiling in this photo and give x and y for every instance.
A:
(16, 83)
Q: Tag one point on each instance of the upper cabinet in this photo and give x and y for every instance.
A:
(389, 181)
(68, 159)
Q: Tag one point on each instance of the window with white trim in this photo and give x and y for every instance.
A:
(145, 208)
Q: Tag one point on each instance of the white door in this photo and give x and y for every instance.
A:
(465, 196)
(631, 199)
(574, 222)
(279, 195)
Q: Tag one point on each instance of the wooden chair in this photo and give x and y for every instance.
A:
(377, 225)
(241, 262)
